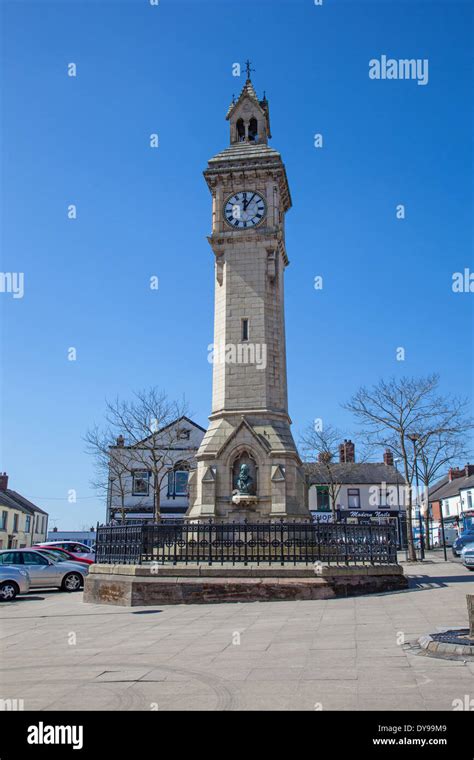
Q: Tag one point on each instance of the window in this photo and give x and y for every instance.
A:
(245, 329)
(469, 499)
(141, 483)
(322, 499)
(178, 482)
(32, 558)
(11, 558)
(184, 435)
(15, 523)
(78, 548)
(4, 520)
(353, 498)
(28, 523)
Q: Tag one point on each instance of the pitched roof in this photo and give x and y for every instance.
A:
(248, 91)
(467, 483)
(137, 444)
(9, 498)
(436, 486)
(363, 473)
(452, 488)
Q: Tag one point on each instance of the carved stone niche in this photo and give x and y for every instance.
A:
(245, 458)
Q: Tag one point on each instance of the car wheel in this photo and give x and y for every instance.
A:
(72, 582)
(8, 591)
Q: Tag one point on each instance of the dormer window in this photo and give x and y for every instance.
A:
(253, 129)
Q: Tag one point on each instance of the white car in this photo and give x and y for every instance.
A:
(82, 551)
(44, 571)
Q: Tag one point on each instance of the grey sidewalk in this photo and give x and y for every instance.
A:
(58, 653)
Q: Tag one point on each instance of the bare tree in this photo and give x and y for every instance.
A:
(436, 450)
(394, 411)
(112, 466)
(320, 448)
(151, 437)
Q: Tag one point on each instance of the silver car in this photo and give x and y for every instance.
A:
(467, 556)
(46, 571)
(13, 581)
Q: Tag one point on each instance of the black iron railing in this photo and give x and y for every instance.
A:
(243, 543)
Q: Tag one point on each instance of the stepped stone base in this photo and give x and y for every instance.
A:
(143, 585)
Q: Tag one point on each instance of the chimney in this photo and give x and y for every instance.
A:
(388, 457)
(453, 473)
(120, 441)
(3, 481)
(469, 470)
(346, 451)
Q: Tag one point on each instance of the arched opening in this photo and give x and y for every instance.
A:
(253, 129)
(244, 474)
(240, 127)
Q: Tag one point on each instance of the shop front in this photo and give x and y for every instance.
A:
(376, 517)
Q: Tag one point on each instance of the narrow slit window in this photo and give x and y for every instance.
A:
(245, 329)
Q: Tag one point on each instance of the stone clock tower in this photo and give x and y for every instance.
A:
(248, 464)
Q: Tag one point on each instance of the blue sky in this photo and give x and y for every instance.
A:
(143, 212)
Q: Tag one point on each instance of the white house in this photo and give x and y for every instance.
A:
(365, 492)
(454, 495)
(137, 471)
(22, 523)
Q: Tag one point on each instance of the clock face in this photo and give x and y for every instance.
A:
(244, 210)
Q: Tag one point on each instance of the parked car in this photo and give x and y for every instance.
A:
(78, 550)
(44, 571)
(62, 553)
(466, 537)
(13, 581)
(467, 556)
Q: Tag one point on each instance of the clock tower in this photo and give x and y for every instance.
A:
(248, 465)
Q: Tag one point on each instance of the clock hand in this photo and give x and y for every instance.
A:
(246, 203)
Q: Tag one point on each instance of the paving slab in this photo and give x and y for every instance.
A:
(342, 653)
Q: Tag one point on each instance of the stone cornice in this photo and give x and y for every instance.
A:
(227, 173)
(272, 238)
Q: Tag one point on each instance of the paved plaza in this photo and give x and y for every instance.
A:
(355, 653)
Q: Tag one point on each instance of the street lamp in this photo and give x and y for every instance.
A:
(441, 516)
(414, 438)
(398, 459)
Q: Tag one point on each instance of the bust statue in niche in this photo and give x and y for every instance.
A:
(244, 475)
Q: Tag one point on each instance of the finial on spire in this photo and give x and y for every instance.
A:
(248, 68)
